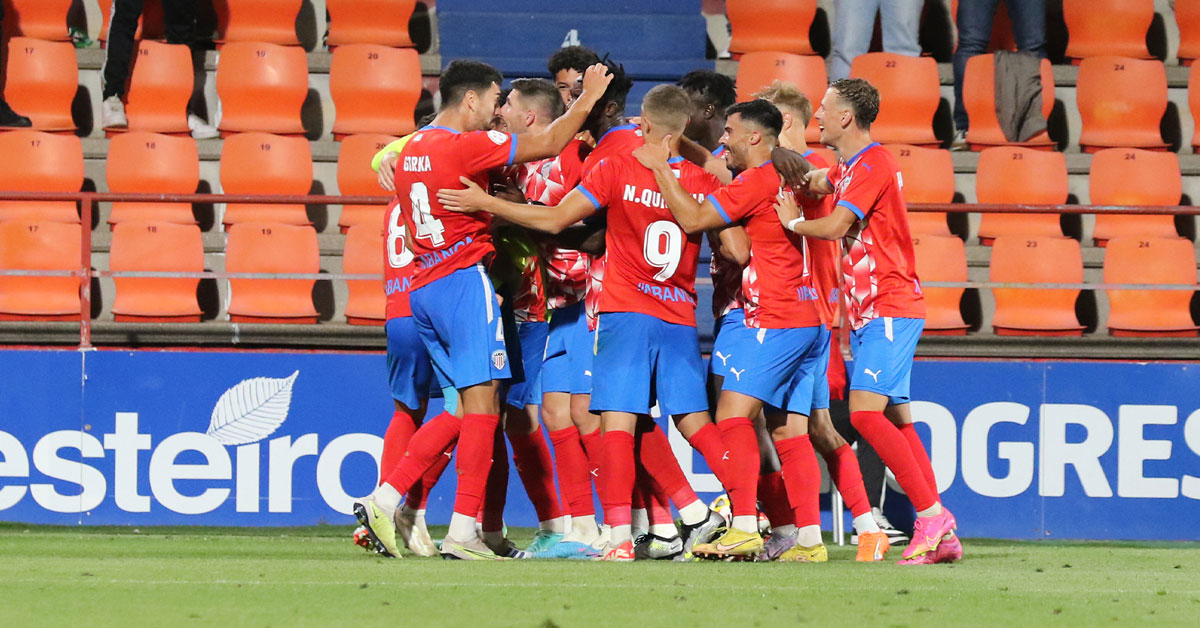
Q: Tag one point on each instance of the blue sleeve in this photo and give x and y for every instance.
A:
(590, 197)
(850, 206)
(720, 210)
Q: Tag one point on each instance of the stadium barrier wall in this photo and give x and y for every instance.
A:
(1021, 449)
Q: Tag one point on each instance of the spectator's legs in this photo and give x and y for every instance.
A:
(122, 27)
(8, 117)
(1029, 25)
(901, 23)
(974, 32)
(852, 29)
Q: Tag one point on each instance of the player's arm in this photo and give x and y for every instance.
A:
(791, 166)
(692, 216)
(553, 139)
(700, 156)
(816, 182)
(831, 227)
(735, 244)
(384, 163)
(574, 207)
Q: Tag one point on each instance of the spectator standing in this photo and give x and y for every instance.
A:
(8, 117)
(854, 24)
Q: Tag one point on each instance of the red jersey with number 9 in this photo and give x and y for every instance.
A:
(651, 265)
(398, 267)
(434, 159)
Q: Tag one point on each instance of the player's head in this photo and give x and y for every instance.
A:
(665, 111)
(611, 106)
(848, 104)
(531, 103)
(711, 94)
(567, 67)
(751, 128)
(795, 107)
(473, 88)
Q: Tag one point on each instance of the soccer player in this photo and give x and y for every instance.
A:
(567, 67)
(711, 94)
(769, 365)
(885, 307)
(839, 457)
(454, 305)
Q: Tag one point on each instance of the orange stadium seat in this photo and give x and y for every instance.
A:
(1121, 102)
(779, 25)
(1159, 183)
(1036, 311)
(909, 94)
(34, 161)
(1150, 261)
(757, 70)
(382, 22)
(979, 98)
(152, 163)
(150, 23)
(35, 245)
(364, 255)
(1187, 17)
(264, 247)
(40, 19)
(1194, 105)
(270, 21)
(1098, 28)
(941, 258)
(262, 87)
(1012, 174)
(43, 77)
(355, 178)
(375, 89)
(160, 89)
(261, 163)
(928, 175)
(157, 247)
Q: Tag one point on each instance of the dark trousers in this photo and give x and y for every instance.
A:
(179, 17)
(974, 21)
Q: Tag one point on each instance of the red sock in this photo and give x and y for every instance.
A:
(620, 477)
(742, 465)
(474, 461)
(801, 478)
(773, 495)
(496, 489)
(424, 449)
(658, 506)
(844, 471)
(893, 448)
(419, 493)
(573, 476)
(641, 490)
(920, 455)
(593, 447)
(531, 455)
(654, 452)
(395, 442)
(707, 440)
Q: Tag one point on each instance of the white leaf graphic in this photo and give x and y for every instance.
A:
(252, 410)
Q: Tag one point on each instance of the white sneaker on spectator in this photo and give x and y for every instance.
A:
(112, 113)
(959, 142)
(201, 129)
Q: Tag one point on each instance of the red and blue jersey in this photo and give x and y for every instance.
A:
(617, 141)
(399, 267)
(823, 255)
(546, 182)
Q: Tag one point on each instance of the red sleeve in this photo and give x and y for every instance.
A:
(483, 150)
(570, 164)
(734, 201)
(864, 187)
(598, 183)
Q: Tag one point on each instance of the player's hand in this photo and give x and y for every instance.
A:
(785, 206)
(654, 157)
(387, 171)
(791, 166)
(595, 81)
(472, 199)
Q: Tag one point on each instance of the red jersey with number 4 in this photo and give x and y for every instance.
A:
(434, 159)
(878, 264)
(398, 268)
(651, 265)
(776, 286)
(823, 255)
(617, 141)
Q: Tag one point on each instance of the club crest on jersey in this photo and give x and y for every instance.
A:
(497, 137)
(499, 359)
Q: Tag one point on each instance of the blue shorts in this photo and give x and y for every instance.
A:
(771, 365)
(817, 370)
(730, 331)
(643, 358)
(410, 374)
(883, 356)
(458, 319)
(533, 347)
(570, 349)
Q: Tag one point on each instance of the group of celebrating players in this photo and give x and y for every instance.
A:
(540, 237)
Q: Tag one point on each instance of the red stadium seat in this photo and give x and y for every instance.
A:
(34, 161)
(1035, 311)
(355, 178)
(1015, 175)
(382, 22)
(1098, 28)
(1194, 105)
(1159, 183)
(909, 94)
(40, 19)
(261, 163)
(160, 88)
(1150, 261)
(269, 21)
(363, 254)
(258, 247)
(156, 247)
(1187, 16)
(1121, 102)
(152, 163)
(928, 176)
(43, 78)
(979, 98)
(757, 70)
(262, 87)
(941, 258)
(375, 89)
(36, 245)
(779, 25)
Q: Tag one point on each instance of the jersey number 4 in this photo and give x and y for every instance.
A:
(427, 227)
(663, 248)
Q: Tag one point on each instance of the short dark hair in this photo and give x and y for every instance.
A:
(619, 88)
(463, 76)
(715, 88)
(575, 58)
(543, 93)
(862, 97)
(760, 112)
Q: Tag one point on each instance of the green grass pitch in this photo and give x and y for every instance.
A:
(288, 577)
